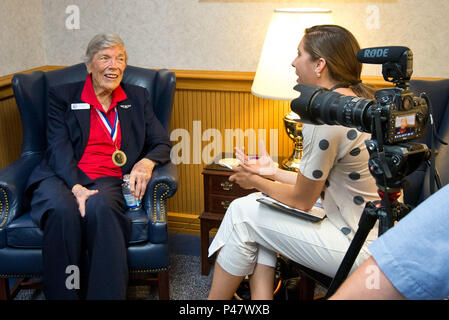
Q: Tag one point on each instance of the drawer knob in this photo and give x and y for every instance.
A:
(226, 185)
(225, 204)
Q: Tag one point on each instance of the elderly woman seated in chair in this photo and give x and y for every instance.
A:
(98, 130)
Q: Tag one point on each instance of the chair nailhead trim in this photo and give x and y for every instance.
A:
(5, 197)
(162, 198)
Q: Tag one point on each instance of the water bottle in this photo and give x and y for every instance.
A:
(131, 202)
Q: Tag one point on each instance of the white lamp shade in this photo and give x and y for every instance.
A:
(275, 76)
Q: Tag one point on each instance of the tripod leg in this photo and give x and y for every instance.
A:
(366, 223)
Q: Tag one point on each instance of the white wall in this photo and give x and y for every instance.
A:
(222, 35)
(21, 36)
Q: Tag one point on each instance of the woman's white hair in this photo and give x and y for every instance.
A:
(102, 41)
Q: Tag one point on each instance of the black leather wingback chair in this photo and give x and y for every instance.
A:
(416, 185)
(21, 239)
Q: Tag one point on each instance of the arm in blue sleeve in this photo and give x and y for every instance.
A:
(414, 255)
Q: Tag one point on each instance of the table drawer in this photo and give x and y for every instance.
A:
(221, 185)
(218, 203)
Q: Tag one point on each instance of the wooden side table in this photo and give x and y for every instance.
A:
(218, 195)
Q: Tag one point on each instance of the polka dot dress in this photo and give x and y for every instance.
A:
(338, 155)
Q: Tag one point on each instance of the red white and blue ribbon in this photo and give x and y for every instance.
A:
(111, 129)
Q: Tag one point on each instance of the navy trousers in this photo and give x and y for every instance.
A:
(93, 246)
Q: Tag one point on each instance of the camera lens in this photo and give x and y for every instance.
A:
(318, 105)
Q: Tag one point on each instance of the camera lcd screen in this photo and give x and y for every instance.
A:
(405, 126)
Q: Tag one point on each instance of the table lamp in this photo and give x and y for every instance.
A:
(275, 77)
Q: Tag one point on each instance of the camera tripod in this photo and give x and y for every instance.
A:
(389, 165)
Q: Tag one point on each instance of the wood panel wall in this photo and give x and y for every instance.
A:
(224, 111)
(205, 101)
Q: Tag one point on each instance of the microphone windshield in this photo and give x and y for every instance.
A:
(379, 55)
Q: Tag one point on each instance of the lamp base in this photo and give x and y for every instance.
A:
(291, 165)
(294, 131)
(293, 162)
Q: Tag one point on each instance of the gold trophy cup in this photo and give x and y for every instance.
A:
(294, 131)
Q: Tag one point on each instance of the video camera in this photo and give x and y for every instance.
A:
(400, 115)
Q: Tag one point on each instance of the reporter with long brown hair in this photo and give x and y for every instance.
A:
(334, 167)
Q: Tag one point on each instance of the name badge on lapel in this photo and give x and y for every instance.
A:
(80, 106)
(125, 106)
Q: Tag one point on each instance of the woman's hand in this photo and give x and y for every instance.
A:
(82, 194)
(262, 165)
(242, 177)
(139, 177)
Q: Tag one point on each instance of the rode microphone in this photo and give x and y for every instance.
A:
(379, 55)
(397, 62)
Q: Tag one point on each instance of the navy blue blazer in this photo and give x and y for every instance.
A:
(68, 130)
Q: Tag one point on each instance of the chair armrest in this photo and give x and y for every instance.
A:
(162, 185)
(13, 181)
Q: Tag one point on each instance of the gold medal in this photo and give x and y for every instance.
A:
(119, 158)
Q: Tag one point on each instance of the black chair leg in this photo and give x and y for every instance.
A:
(306, 288)
(4, 288)
(163, 285)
